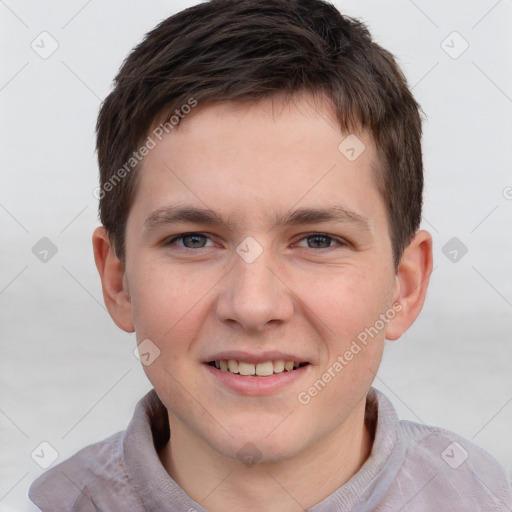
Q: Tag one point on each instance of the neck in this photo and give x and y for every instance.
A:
(219, 483)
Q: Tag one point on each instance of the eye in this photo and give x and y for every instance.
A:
(312, 241)
(321, 241)
(190, 240)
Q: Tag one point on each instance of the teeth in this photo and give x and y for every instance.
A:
(264, 369)
(246, 368)
(278, 366)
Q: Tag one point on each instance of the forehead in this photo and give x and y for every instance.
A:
(250, 157)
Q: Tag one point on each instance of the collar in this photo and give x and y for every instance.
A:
(149, 431)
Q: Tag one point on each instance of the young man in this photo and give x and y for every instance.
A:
(261, 193)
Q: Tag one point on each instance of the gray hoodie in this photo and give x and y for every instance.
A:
(411, 468)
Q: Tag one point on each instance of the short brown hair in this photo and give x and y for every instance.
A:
(226, 50)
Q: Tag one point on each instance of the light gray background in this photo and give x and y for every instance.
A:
(68, 375)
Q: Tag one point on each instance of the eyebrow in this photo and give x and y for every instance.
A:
(169, 215)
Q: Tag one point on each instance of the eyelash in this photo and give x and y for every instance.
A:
(341, 242)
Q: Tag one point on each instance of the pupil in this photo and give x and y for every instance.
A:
(318, 239)
(195, 240)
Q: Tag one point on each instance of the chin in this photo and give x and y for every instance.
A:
(255, 447)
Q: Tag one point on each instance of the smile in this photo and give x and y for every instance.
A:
(263, 369)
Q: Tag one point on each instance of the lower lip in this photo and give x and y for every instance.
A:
(253, 385)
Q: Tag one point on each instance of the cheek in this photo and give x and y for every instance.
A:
(348, 308)
(345, 300)
(350, 311)
(166, 299)
(169, 305)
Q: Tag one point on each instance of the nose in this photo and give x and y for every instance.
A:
(254, 294)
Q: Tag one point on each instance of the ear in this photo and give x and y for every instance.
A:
(412, 279)
(113, 280)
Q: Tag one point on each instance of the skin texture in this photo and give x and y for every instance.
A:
(306, 296)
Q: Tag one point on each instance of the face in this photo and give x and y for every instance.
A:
(254, 242)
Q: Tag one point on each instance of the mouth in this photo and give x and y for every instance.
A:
(262, 369)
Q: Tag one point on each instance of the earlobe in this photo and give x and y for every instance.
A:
(412, 276)
(113, 280)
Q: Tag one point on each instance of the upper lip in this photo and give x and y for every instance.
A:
(260, 357)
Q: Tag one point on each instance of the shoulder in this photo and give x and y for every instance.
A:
(440, 445)
(91, 478)
(447, 468)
